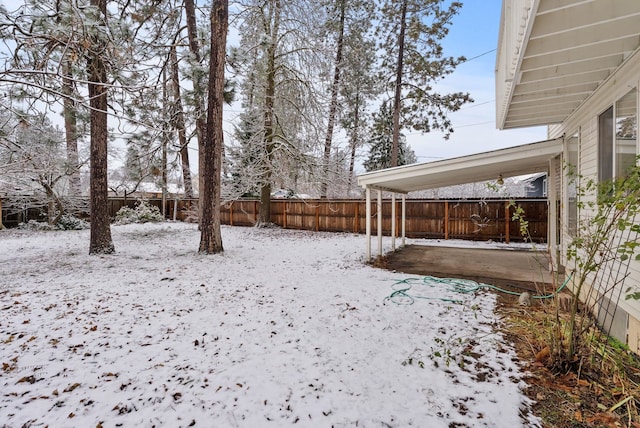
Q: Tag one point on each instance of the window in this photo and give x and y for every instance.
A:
(617, 138)
(626, 133)
(573, 177)
(605, 145)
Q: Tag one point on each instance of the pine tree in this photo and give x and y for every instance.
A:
(211, 237)
(413, 61)
(347, 25)
(100, 237)
(381, 142)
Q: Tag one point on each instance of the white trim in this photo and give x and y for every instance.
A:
(509, 162)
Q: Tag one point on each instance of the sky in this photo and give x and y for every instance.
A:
(474, 32)
(285, 328)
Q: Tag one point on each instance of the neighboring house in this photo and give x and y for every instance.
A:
(143, 189)
(574, 65)
(536, 186)
(512, 187)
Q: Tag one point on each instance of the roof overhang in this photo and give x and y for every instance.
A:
(553, 54)
(510, 162)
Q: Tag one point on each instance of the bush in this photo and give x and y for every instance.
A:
(69, 222)
(35, 225)
(142, 213)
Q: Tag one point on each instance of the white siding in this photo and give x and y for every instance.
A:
(585, 119)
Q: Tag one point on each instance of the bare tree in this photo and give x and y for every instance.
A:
(33, 166)
(281, 61)
(57, 49)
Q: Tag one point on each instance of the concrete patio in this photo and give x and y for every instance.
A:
(511, 268)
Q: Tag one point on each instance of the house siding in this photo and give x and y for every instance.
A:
(584, 120)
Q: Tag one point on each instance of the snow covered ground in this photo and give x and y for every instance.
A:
(284, 328)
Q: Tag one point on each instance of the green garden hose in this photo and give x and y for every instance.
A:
(403, 294)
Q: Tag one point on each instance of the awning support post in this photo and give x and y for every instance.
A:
(379, 223)
(393, 221)
(368, 221)
(404, 218)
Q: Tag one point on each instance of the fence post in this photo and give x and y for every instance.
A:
(255, 211)
(284, 215)
(507, 222)
(317, 217)
(446, 219)
(356, 222)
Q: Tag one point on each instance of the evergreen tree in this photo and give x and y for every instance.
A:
(210, 236)
(410, 32)
(348, 33)
(381, 142)
(360, 86)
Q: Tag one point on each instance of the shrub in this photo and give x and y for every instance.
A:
(69, 222)
(142, 213)
(34, 225)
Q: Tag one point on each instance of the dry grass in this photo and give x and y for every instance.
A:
(604, 391)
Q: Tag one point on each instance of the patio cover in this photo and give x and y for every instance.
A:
(554, 54)
(509, 162)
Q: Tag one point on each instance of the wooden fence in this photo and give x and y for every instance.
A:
(482, 220)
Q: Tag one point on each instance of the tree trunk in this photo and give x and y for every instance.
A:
(398, 87)
(54, 204)
(333, 106)
(71, 130)
(210, 235)
(100, 241)
(264, 216)
(165, 139)
(354, 139)
(179, 124)
(198, 90)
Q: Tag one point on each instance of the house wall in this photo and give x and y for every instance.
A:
(584, 121)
